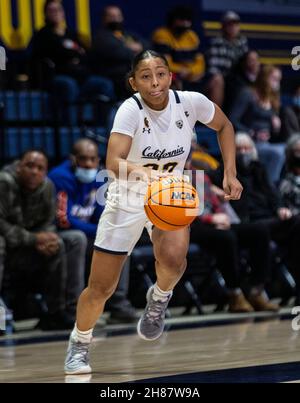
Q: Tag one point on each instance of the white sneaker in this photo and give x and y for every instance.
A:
(77, 360)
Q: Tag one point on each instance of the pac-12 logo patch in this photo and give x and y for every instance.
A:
(179, 124)
(147, 126)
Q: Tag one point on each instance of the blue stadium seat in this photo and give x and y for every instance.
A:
(69, 135)
(25, 106)
(18, 140)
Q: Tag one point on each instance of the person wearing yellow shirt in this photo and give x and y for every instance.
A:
(180, 44)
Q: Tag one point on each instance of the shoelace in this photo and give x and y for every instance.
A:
(154, 311)
(79, 351)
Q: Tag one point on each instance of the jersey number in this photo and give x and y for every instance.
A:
(169, 167)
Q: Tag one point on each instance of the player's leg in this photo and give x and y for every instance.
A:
(118, 232)
(104, 277)
(170, 250)
(105, 273)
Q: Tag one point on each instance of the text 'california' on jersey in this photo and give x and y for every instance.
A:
(161, 140)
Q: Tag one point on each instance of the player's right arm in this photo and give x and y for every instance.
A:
(117, 153)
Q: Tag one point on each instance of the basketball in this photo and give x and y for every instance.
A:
(171, 203)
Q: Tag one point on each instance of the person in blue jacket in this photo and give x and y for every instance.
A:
(77, 209)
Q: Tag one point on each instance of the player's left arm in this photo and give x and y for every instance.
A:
(224, 128)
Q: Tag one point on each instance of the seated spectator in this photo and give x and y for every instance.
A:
(290, 185)
(255, 111)
(261, 203)
(223, 54)
(78, 209)
(58, 48)
(219, 231)
(31, 251)
(244, 74)
(114, 48)
(181, 46)
(291, 117)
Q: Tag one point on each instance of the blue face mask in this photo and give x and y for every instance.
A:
(86, 175)
(296, 101)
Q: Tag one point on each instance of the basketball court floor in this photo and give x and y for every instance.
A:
(257, 347)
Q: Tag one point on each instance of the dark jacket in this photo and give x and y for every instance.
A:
(110, 56)
(22, 214)
(290, 118)
(247, 115)
(259, 199)
(64, 54)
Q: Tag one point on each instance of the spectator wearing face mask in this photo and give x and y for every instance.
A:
(290, 185)
(79, 209)
(114, 48)
(291, 117)
(181, 46)
(220, 232)
(261, 203)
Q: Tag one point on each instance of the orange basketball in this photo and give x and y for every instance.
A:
(171, 203)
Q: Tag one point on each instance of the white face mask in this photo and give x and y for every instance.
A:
(297, 180)
(86, 175)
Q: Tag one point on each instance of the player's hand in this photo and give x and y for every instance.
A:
(154, 175)
(232, 188)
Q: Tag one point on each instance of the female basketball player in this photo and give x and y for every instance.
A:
(152, 131)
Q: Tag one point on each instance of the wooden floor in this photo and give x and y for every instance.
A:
(199, 354)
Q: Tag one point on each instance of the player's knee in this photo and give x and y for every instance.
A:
(99, 291)
(174, 261)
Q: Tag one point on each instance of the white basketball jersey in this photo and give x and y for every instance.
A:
(163, 151)
(153, 148)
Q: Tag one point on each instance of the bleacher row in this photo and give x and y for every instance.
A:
(28, 121)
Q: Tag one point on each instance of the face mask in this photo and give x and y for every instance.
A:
(244, 159)
(296, 101)
(180, 30)
(114, 26)
(86, 175)
(295, 160)
(297, 180)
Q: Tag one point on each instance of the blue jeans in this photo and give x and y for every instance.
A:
(273, 158)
